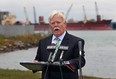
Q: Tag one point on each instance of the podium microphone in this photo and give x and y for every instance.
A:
(51, 48)
(80, 53)
(63, 48)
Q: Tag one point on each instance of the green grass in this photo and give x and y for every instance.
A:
(19, 74)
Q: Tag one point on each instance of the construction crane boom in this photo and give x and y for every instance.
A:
(26, 16)
(68, 11)
(34, 11)
(97, 13)
(85, 17)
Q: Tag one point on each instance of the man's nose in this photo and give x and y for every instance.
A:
(55, 23)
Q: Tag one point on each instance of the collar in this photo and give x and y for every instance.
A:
(60, 37)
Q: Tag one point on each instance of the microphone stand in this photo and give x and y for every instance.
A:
(49, 62)
(80, 69)
(61, 60)
(49, 58)
(80, 53)
(63, 48)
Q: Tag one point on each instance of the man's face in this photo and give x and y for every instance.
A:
(57, 25)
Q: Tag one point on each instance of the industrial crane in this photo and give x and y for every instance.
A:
(97, 13)
(26, 16)
(85, 17)
(68, 11)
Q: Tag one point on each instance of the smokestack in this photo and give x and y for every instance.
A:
(41, 20)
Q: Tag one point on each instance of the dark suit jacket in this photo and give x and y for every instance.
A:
(71, 55)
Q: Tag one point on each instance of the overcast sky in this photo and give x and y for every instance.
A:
(107, 8)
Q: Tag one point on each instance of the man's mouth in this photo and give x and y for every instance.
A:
(56, 28)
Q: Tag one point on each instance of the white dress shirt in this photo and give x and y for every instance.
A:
(60, 37)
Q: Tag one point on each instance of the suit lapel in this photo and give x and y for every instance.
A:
(65, 41)
(49, 40)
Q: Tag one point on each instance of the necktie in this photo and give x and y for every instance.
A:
(57, 45)
(57, 41)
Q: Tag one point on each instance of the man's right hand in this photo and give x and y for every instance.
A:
(35, 61)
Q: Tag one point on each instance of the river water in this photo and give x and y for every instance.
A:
(100, 48)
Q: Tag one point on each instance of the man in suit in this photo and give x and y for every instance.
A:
(58, 25)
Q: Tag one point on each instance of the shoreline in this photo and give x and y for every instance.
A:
(8, 44)
(18, 45)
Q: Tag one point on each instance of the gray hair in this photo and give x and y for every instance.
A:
(59, 13)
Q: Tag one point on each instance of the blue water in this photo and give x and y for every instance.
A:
(100, 48)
